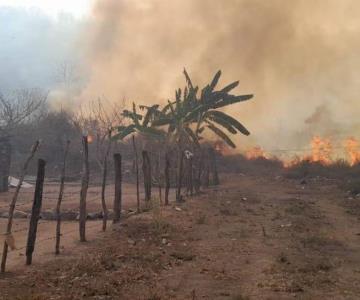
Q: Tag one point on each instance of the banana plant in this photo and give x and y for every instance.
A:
(190, 114)
(139, 123)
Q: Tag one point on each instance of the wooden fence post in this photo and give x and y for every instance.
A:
(84, 188)
(13, 203)
(104, 179)
(147, 176)
(35, 212)
(58, 205)
(118, 182)
(167, 178)
(137, 175)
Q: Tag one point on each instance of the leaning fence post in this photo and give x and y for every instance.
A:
(13, 203)
(103, 185)
(58, 205)
(84, 188)
(118, 181)
(35, 212)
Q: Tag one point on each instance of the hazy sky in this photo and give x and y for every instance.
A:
(77, 8)
(37, 37)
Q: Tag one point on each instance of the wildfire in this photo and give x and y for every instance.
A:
(90, 139)
(255, 152)
(321, 150)
(353, 151)
(295, 161)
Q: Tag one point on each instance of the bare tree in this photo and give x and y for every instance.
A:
(16, 108)
(98, 120)
(66, 74)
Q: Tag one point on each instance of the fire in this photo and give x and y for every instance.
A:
(90, 139)
(352, 147)
(255, 152)
(321, 150)
(294, 161)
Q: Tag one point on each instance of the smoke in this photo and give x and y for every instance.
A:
(297, 57)
(33, 46)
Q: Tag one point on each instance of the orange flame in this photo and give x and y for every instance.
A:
(352, 147)
(255, 152)
(90, 139)
(321, 150)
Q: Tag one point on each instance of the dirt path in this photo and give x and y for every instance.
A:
(251, 238)
(271, 239)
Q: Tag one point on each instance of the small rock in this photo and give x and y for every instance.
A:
(178, 208)
(69, 215)
(183, 256)
(94, 216)
(164, 241)
(131, 242)
(48, 215)
(4, 215)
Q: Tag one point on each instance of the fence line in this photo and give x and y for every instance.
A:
(50, 191)
(40, 241)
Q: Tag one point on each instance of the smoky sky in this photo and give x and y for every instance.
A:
(299, 58)
(295, 56)
(33, 45)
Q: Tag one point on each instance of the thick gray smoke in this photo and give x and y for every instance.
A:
(295, 56)
(300, 59)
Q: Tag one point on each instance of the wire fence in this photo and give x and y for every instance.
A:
(46, 225)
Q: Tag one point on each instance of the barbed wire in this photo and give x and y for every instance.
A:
(39, 241)
(25, 228)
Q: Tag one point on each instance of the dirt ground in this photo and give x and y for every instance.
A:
(46, 229)
(262, 237)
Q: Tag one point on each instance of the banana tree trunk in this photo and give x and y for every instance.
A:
(198, 171)
(189, 177)
(214, 170)
(179, 175)
(147, 176)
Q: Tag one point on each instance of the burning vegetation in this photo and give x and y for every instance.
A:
(321, 151)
